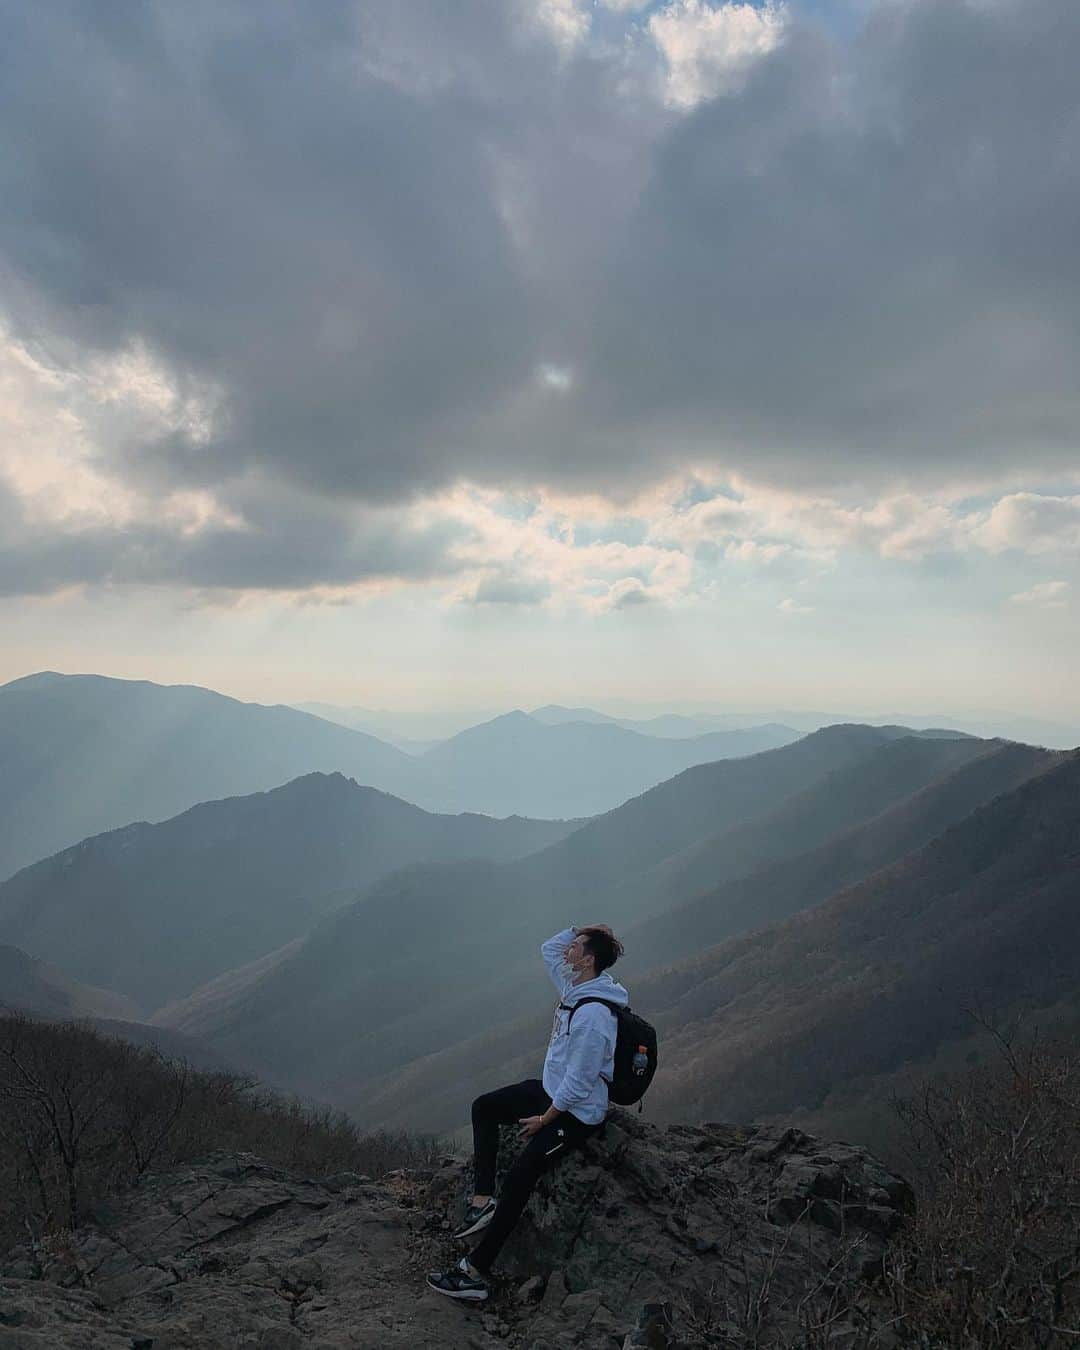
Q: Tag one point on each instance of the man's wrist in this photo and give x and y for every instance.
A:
(551, 1114)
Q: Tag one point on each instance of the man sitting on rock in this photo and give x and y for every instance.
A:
(556, 1114)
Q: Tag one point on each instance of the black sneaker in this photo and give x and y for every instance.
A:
(476, 1217)
(459, 1282)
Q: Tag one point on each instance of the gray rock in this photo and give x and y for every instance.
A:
(234, 1253)
(579, 1308)
(280, 1338)
(531, 1290)
(555, 1292)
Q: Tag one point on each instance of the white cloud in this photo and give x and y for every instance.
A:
(708, 49)
(565, 22)
(62, 426)
(790, 606)
(1043, 595)
(541, 549)
(627, 594)
(1032, 522)
(759, 524)
(750, 551)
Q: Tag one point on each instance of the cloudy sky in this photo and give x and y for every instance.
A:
(515, 350)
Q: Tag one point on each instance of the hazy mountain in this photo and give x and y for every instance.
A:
(404, 725)
(154, 910)
(848, 795)
(32, 986)
(575, 768)
(1060, 735)
(432, 953)
(82, 754)
(874, 839)
(557, 761)
(987, 914)
(674, 726)
(787, 1014)
(383, 726)
(689, 810)
(555, 715)
(39, 989)
(1055, 735)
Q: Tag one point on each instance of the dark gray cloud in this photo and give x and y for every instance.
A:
(287, 543)
(251, 192)
(373, 228)
(867, 262)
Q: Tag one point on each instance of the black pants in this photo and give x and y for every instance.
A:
(507, 1106)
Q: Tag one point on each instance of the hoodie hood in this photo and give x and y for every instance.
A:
(603, 986)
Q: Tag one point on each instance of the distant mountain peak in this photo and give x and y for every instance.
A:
(515, 718)
(554, 713)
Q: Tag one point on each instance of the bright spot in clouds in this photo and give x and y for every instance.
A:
(566, 22)
(559, 378)
(708, 49)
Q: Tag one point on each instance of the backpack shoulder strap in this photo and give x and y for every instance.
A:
(572, 1008)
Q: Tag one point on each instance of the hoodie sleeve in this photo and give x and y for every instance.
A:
(592, 1041)
(552, 952)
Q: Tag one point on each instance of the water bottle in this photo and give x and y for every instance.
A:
(640, 1061)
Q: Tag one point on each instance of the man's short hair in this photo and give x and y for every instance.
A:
(604, 948)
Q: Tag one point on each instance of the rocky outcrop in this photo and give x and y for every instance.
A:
(690, 1236)
(741, 1234)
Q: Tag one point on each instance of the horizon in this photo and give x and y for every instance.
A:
(470, 714)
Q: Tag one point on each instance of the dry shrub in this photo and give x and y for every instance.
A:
(82, 1116)
(990, 1260)
(992, 1257)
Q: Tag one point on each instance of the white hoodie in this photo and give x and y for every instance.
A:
(581, 1056)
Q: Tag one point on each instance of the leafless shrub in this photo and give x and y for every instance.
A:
(84, 1115)
(992, 1258)
(795, 1293)
(989, 1261)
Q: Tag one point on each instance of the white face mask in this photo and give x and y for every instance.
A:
(582, 964)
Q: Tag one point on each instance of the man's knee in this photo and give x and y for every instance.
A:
(482, 1106)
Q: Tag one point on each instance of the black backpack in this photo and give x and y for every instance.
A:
(630, 1080)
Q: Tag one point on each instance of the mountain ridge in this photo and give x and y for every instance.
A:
(236, 877)
(474, 918)
(743, 1032)
(84, 754)
(41, 989)
(988, 909)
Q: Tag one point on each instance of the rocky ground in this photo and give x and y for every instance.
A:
(693, 1236)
